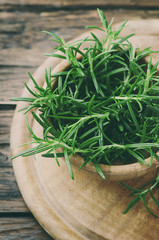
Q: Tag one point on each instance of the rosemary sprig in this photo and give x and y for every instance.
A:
(140, 194)
(103, 107)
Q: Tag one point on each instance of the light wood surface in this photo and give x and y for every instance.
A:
(22, 46)
(88, 207)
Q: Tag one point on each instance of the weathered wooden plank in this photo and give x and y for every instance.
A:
(7, 184)
(10, 196)
(12, 206)
(63, 3)
(14, 228)
(7, 105)
(5, 124)
(67, 24)
(31, 2)
(12, 81)
(5, 156)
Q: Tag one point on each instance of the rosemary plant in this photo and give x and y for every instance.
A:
(103, 107)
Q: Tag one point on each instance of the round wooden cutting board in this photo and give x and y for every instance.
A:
(86, 208)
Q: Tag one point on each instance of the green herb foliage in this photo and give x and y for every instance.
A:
(104, 106)
(140, 194)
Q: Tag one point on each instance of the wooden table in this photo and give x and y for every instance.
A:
(22, 47)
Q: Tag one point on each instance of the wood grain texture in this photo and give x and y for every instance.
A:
(10, 196)
(4, 156)
(5, 125)
(72, 3)
(17, 227)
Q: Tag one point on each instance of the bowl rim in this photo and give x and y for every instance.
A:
(118, 172)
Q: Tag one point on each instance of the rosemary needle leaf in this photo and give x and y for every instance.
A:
(132, 114)
(23, 99)
(32, 151)
(67, 159)
(140, 160)
(95, 27)
(131, 204)
(52, 155)
(45, 124)
(92, 73)
(122, 25)
(148, 209)
(103, 18)
(56, 155)
(54, 35)
(156, 156)
(128, 187)
(54, 55)
(154, 199)
(30, 130)
(33, 80)
(88, 142)
(99, 170)
(97, 40)
(32, 93)
(59, 74)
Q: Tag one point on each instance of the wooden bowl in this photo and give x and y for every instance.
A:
(88, 207)
(114, 172)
